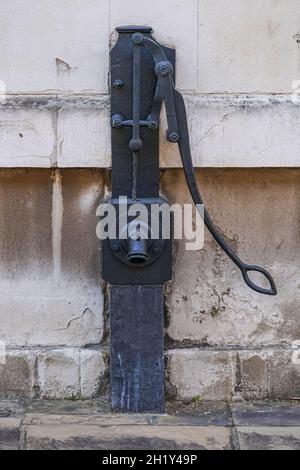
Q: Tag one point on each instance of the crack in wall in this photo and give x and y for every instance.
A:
(86, 311)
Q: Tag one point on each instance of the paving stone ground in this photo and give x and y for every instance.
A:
(27, 424)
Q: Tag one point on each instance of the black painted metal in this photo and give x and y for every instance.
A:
(122, 105)
(142, 78)
(156, 270)
(136, 270)
(136, 348)
(135, 155)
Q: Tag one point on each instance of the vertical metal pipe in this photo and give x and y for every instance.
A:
(136, 114)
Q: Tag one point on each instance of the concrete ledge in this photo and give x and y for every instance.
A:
(10, 433)
(35, 424)
(266, 414)
(71, 437)
(226, 131)
(240, 131)
(264, 438)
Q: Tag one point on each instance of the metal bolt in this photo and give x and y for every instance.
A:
(137, 39)
(153, 125)
(118, 83)
(117, 121)
(135, 144)
(163, 68)
(173, 137)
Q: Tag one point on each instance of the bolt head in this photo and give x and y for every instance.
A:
(117, 121)
(153, 125)
(118, 83)
(135, 145)
(137, 39)
(164, 68)
(173, 137)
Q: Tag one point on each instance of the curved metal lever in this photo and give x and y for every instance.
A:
(248, 267)
(185, 152)
(176, 115)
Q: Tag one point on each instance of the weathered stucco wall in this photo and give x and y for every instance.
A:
(51, 301)
(232, 58)
(223, 341)
(238, 67)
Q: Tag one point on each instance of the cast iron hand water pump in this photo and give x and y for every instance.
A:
(142, 79)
